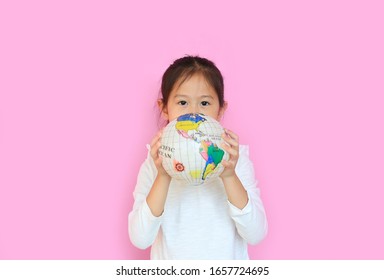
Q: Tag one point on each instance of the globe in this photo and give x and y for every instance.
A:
(191, 149)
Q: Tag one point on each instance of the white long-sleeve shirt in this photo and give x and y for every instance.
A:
(198, 222)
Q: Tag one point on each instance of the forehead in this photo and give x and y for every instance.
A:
(197, 83)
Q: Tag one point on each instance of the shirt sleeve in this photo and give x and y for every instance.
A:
(251, 221)
(143, 226)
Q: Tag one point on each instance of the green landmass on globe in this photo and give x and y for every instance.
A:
(187, 126)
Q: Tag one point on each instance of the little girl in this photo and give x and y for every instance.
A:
(215, 220)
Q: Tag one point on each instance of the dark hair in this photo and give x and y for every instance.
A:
(184, 68)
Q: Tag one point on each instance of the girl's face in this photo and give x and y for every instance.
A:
(194, 95)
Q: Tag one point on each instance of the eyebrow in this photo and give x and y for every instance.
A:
(186, 96)
(207, 96)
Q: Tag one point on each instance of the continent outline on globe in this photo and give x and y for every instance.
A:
(194, 134)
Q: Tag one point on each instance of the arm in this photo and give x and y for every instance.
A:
(142, 225)
(158, 194)
(150, 195)
(159, 191)
(236, 193)
(245, 205)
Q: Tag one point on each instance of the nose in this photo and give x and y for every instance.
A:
(195, 109)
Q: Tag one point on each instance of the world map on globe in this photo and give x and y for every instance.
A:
(190, 148)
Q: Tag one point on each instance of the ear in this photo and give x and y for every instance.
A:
(163, 109)
(222, 110)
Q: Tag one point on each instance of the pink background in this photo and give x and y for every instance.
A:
(78, 85)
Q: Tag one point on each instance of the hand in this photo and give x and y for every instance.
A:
(155, 146)
(232, 148)
(159, 190)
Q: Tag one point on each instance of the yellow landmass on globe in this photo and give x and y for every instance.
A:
(195, 174)
(210, 168)
(187, 125)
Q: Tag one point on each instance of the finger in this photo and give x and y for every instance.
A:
(231, 134)
(231, 137)
(155, 148)
(227, 164)
(154, 153)
(230, 141)
(231, 151)
(155, 139)
(224, 163)
(159, 161)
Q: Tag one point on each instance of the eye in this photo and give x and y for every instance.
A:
(182, 103)
(205, 103)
